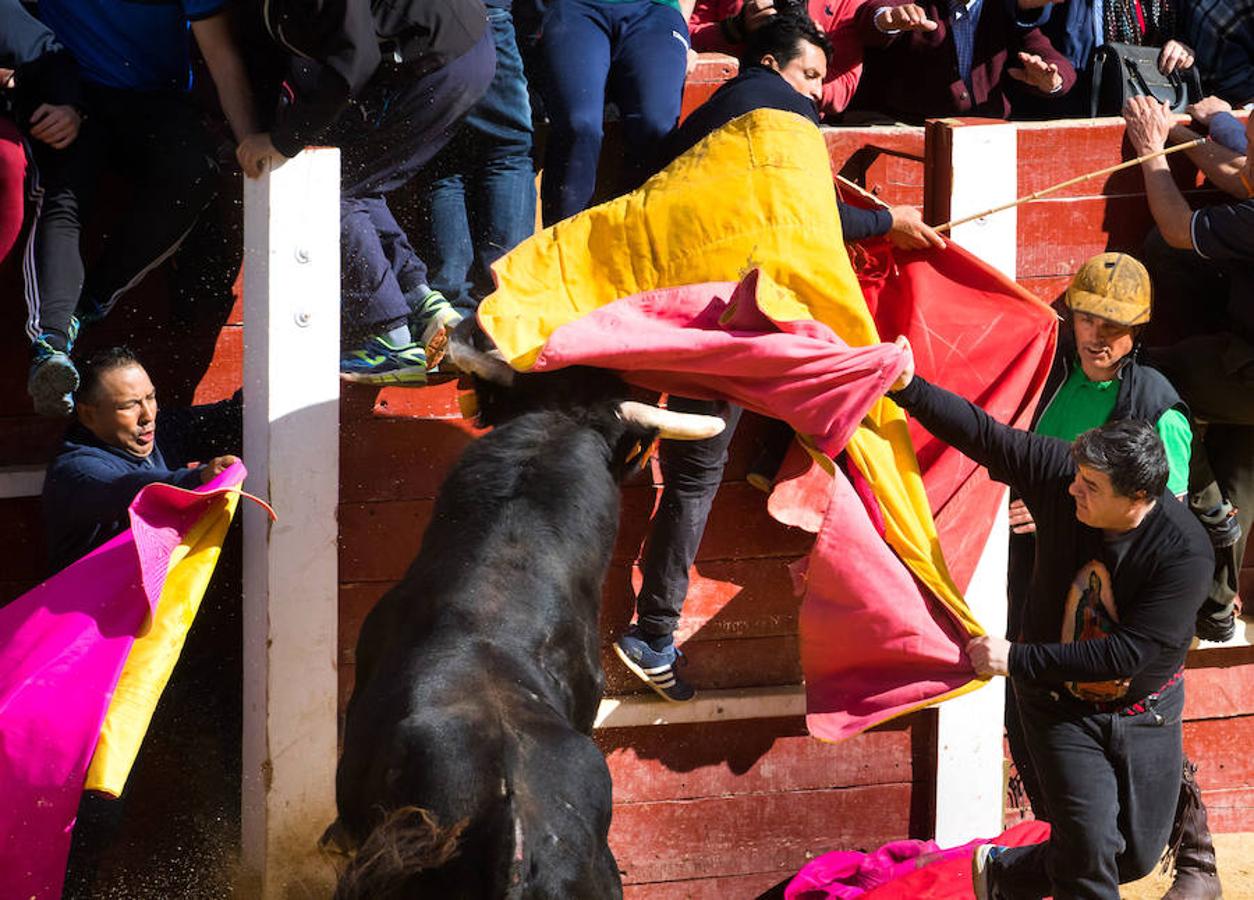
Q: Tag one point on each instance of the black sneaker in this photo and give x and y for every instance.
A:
(1218, 630)
(656, 668)
(1221, 525)
(981, 877)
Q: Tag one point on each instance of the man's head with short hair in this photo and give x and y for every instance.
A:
(795, 47)
(116, 401)
(1121, 472)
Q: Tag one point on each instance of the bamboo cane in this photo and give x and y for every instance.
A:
(1057, 187)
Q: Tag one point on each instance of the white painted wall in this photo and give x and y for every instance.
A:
(291, 446)
(969, 756)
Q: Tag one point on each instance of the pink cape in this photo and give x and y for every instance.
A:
(875, 644)
(62, 648)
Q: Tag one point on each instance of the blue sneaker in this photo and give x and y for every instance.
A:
(981, 877)
(656, 668)
(376, 361)
(433, 320)
(53, 379)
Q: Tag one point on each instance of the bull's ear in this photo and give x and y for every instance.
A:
(465, 355)
(675, 426)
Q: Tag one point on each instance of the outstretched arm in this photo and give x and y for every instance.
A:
(1019, 458)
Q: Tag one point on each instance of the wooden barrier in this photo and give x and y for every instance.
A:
(729, 798)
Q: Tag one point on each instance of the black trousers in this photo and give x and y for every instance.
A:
(1111, 782)
(1213, 370)
(157, 142)
(691, 474)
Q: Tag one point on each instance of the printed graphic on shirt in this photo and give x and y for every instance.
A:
(1090, 613)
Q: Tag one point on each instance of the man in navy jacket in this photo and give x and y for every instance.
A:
(114, 450)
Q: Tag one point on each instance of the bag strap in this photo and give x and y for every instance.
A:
(1095, 92)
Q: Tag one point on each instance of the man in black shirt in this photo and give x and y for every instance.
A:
(1121, 569)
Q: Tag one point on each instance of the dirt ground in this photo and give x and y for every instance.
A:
(1236, 871)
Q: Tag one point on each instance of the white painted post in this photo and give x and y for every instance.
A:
(970, 798)
(970, 789)
(291, 446)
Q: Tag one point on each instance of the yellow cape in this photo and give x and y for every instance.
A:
(757, 192)
(154, 653)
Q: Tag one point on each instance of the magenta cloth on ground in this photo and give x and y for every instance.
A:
(62, 648)
(902, 870)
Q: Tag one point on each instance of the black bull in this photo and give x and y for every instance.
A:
(468, 770)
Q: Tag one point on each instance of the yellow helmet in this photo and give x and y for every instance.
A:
(1112, 286)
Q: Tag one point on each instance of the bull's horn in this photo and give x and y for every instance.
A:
(675, 426)
(490, 366)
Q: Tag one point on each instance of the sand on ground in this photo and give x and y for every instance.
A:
(1235, 853)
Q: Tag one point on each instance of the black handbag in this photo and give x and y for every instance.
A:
(1121, 71)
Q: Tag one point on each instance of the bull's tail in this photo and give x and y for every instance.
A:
(408, 841)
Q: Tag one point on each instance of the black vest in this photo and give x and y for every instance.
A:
(1144, 392)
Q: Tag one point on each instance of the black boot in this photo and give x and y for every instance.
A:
(1197, 877)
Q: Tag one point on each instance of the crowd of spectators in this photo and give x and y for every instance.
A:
(442, 90)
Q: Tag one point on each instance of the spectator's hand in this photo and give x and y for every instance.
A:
(56, 126)
(907, 374)
(1174, 55)
(693, 59)
(256, 153)
(989, 655)
(754, 13)
(910, 17)
(1148, 123)
(1037, 73)
(216, 467)
(1206, 109)
(910, 232)
(1021, 521)
(6, 78)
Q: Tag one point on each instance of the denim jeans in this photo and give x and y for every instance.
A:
(638, 50)
(691, 474)
(482, 197)
(1111, 782)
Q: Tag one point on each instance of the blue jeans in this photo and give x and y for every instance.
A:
(1111, 782)
(482, 199)
(638, 50)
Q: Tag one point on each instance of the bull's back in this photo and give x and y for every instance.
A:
(535, 794)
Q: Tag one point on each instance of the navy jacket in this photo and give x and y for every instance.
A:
(89, 485)
(758, 87)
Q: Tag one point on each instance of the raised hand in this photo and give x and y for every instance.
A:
(909, 17)
(1037, 73)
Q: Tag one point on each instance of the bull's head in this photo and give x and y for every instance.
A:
(503, 393)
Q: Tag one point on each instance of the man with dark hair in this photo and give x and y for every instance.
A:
(783, 70)
(783, 67)
(1121, 568)
(113, 451)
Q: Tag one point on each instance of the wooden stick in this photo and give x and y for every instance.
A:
(1057, 187)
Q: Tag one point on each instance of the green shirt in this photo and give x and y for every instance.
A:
(1081, 404)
